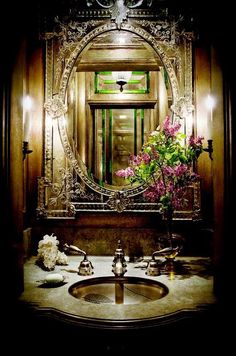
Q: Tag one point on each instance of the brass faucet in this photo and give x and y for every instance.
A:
(119, 264)
(85, 266)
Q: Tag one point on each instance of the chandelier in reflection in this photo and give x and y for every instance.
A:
(121, 78)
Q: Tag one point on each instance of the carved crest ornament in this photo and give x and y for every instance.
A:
(67, 187)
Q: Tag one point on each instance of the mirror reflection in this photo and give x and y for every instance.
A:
(118, 92)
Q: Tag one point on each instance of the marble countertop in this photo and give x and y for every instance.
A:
(189, 291)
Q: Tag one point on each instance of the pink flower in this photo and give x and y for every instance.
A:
(125, 173)
(180, 170)
(135, 160)
(169, 129)
(139, 159)
(146, 158)
(195, 141)
(177, 171)
(169, 171)
(155, 191)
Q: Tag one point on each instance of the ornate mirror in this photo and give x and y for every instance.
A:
(118, 92)
(110, 81)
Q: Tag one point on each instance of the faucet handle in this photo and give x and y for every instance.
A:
(68, 248)
(153, 268)
(85, 267)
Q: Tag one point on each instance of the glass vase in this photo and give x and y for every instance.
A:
(170, 246)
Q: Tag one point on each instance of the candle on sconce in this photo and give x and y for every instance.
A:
(210, 103)
(27, 106)
(26, 127)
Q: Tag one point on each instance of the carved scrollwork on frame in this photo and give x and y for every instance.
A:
(161, 30)
(183, 107)
(161, 53)
(41, 210)
(55, 107)
(69, 34)
(118, 201)
(67, 190)
(69, 187)
(193, 213)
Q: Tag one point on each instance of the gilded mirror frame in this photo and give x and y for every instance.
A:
(66, 189)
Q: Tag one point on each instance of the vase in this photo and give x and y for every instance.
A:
(169, 246)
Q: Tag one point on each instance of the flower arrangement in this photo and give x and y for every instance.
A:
(48, 253)
(166, 162)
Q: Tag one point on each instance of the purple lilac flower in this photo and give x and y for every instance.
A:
(169, 129)
(125, 173)
(155, 191)
(177, 171)
(146, 158)
(195, 141)
(135, 160)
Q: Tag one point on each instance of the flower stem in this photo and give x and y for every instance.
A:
(169, 219)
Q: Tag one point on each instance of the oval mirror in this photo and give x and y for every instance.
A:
(118, 92)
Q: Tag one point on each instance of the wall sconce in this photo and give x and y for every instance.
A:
(25, 149)
(121, 78)
(210, 104)
(27, 107)
(209, 148)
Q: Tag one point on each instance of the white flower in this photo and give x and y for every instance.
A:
(62, 259)
(48, 253)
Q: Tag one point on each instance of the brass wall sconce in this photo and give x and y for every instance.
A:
(209, 148)
(25, 149)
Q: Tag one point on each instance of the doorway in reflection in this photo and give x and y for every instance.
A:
(118, 132)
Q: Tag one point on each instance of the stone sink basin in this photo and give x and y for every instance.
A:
(118, 290)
